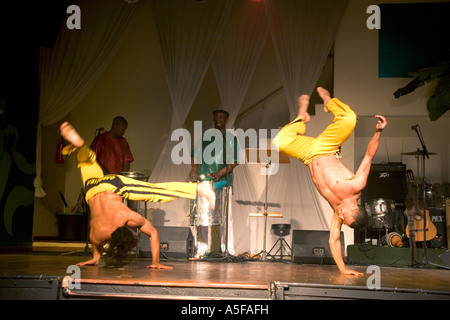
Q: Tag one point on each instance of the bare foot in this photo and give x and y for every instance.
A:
(203, 189)
(325, 95)
(69, 133)
(303, 103)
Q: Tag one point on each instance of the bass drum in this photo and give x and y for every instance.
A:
(381, 213)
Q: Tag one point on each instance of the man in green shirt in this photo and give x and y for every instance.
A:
(213, 159)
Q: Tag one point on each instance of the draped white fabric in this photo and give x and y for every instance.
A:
(79, 57)
(227, 36)
(238, 54)
(233, 65)
(188, 43)
(302, 33)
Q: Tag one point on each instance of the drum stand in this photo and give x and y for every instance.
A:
(263, 253)
(281, 230)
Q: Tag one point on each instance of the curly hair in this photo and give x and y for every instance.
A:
(122, 241)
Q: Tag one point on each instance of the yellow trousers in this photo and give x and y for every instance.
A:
(292, 141)
(95, 182)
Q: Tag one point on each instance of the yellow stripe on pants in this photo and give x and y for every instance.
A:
(95, 182)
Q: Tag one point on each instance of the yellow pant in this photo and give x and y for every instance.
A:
(95, 182)
(291, 141)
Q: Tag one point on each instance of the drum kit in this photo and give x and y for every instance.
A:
(381, 214)
(421, 196)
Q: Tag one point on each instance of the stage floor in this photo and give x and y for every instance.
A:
(45, 276)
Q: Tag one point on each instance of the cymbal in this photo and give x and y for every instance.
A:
(417, 153)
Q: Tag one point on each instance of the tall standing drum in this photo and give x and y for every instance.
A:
(201, 212)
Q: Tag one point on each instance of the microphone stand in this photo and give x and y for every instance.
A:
(423, 153)
(97, 134)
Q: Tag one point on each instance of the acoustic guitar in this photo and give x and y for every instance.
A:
(417, 219)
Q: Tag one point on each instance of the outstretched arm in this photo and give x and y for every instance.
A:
(149, 230)
(335, 246)
(364, 168)
(136, 220)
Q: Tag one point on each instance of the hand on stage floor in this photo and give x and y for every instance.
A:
(159, 266)
(351, 272)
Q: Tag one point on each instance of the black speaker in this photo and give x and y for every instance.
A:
(445, 257)
(175, 242)
(387, 181)
(311, 246)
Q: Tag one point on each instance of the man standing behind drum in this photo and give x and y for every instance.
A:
(218, 168)
(112, 149)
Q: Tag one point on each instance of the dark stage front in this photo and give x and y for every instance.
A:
(46, 276)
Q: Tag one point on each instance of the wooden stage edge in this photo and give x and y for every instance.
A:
(34, 276)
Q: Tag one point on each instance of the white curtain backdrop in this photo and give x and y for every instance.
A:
(233, 65)
(227, 36)
(79, 57)
(188, 43)
(302, 33)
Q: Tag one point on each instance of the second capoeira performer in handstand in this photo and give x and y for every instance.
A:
(109, 215)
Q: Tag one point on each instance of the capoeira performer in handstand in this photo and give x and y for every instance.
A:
(337, 184)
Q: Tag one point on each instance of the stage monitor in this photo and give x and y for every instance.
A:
(175, 242)
(311, 246)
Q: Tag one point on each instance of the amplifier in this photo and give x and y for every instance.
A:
(387, 181)
(175, 242)
(311, 246)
